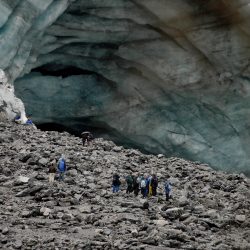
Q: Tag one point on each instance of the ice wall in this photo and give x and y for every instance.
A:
(166, 76)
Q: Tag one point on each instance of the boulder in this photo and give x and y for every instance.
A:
(240, 218)
(21, 180)
(45, 211)
(172, 213)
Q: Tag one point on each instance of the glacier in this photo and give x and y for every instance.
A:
(165, 76)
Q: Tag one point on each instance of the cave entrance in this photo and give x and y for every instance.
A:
(56, 127)
(62, 71)
(96, 131)
(99, 131)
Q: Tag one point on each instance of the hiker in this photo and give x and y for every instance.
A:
(17, 119)
(147, 179)
(29, 121)
(52, 171)
(116, 183)
(129, 180)
(25, 121)
(20, 119)
(86, 137)
(168, 190)
(136, 183)
(149, 186)
(61, 167)
(154, 184)
(143, 187)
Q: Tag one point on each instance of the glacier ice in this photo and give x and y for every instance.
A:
(165, 76)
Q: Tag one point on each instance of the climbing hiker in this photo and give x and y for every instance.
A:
(116, 183)
(23, 120)
(86, 138)
(129, 180)
(52, 171)
(61, 166)
(29, 121)
(168, 190)
(136, 183)
(20, 119)
(154, 184)
(143, 187)
(17, 119)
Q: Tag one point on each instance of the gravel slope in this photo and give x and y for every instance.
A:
(210, 210)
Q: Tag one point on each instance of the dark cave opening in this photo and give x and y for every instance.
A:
(76, 130)
(97, 131)
(57, 70)
(56, 127)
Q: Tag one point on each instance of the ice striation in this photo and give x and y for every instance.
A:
(164, 76)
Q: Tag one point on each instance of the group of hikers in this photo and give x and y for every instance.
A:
(26, 121)
(147, 184)
(60, 166)
(57, 167)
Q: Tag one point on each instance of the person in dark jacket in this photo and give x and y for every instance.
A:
(86, 138)
(116, 183)
(154, 184)
(136, 184)
(148, 180)
(61, 166)
(52, 171)
(129, 180)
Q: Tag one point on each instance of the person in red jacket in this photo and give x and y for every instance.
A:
(61, 166)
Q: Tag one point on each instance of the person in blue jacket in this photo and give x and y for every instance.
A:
(29, 122)
(116, 183)
(61, 166)
(168, 190)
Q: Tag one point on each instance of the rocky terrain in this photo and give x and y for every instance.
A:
(209, 209)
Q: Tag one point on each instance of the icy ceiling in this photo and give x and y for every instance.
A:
(165, 76)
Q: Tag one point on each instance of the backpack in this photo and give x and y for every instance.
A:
(62, 165)
(138, 180)
(52, 168)
(143, 183)
(129, 180)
